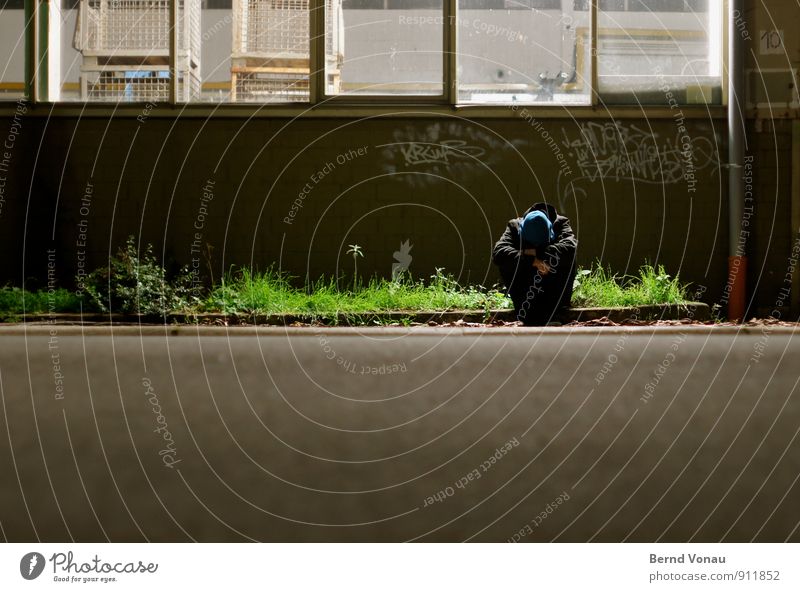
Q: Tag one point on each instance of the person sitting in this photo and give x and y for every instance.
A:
(536, 259)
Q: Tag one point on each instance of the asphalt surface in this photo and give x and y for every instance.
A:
(421, 434)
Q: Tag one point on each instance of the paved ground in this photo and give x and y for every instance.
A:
(605, 434)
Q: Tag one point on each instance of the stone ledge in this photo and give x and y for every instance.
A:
(696, 311)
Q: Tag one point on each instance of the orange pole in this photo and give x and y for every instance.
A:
(737, 287)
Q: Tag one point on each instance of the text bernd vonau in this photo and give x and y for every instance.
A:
(686, 558)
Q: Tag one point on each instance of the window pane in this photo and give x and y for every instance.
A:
(653, 47)
(254, 51)
(384, 47)
(118, 50)
(530, 51)
(216, 47)
(270, 57)
(12, 50)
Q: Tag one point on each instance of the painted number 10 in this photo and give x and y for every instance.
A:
(771, 42)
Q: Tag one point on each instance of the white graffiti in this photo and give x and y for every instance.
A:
(441, 153)
(616, 151)
(451, 150)
(402, 260)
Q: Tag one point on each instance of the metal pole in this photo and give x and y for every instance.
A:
(317, 76)
(450, 51)
(795, 234)
(594, 77)
(737, 255)
(174, 20)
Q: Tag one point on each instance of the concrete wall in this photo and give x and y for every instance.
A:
(375, 182)
(775, 235)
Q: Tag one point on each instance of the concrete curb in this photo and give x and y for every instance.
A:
(45, 330)
(695, 311)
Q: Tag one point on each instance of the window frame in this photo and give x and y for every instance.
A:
(320, 103)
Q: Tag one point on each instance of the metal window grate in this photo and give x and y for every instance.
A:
(271, 87)
(113, 26)
(280, 28)
(271, 51)
(125, 48)
(109, 85)
(276, 28)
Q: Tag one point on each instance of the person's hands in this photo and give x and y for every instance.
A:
(529, 252)
(543, 267)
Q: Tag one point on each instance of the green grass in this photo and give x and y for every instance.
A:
(598, 287)
(271, 292)
(15, 301)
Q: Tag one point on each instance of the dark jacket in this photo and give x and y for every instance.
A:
(559, 255)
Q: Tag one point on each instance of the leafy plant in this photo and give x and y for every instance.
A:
(137, 283)
(356, 251)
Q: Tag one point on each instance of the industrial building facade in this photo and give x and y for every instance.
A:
(294, 128)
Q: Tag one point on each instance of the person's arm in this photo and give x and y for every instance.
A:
(561, 253)
(506, 250)
(507, 255)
